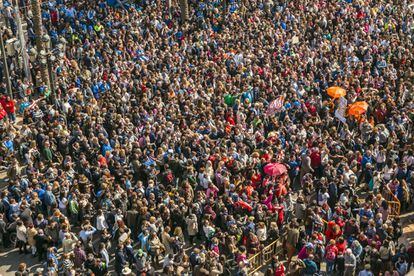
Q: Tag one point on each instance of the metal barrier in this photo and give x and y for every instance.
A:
(264, 257)
(393, 202)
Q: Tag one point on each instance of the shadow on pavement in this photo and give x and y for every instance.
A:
(11, 260)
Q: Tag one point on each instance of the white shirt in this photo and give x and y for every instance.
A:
(104, 253)
(65, 107)
(21, 233)
(261, 234)
(347, 175)
(343, 199)
(101, 223)
(381, 157)
(323, 199)
(204, 180)
(62, 203)
(85, 234)
(409, 160)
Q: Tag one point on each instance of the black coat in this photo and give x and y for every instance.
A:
(120, 260)
(42, 242)
(129, 253)
(2, 227)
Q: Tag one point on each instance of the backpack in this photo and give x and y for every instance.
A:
(330, 255)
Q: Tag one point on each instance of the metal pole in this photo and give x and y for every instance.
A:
(3, 18)
(37, 21)
(22, 42)
(6, 65)
(52, 81)
(184, 10)
(169, 6)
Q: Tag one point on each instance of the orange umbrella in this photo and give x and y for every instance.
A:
(336, 92)
(358, 108)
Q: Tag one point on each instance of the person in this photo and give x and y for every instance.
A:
(101, 223)
(31, 234)
(278, 267)
(87, 232)
(167, 240)
(154, 119)
(69, 242)
(168, 261)
(103, 253)
(142, 264)
(192, 228)
(331, 252)
(155, 248)
(292, 240)
(366, 271)
(143, 239)
(67, 264)
(242, 269)
(129, 252)
(120, 259)
(3, 231)
(21, 235)
(310, 266)
(9, 106)
(401, 266)
(410, 253)
(350, 263)
(79, 256)
(22, 270)
(3, 114)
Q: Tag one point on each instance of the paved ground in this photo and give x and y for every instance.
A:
(10, 261)
(408, 227)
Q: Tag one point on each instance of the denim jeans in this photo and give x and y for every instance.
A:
(330, 266)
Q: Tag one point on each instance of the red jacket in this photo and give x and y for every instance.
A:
(280, 270)
(2, 113)
(9, 106)
(341, 247)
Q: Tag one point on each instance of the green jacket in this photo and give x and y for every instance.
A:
(73, 207)
(47, 154)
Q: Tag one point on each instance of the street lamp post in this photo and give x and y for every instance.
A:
(169, 6)
(37, 22)
(5, 64)
(46, 60)
(184, 10)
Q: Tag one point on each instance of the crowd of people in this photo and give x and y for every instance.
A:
(178, 147)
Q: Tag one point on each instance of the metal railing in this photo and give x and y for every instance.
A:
(264, 257)
(394, 204)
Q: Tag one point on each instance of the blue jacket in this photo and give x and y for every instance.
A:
(49, 198)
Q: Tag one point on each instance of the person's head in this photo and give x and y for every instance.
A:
(178, 231)
(21, 267)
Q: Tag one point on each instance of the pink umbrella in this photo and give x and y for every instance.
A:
(274, 169)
